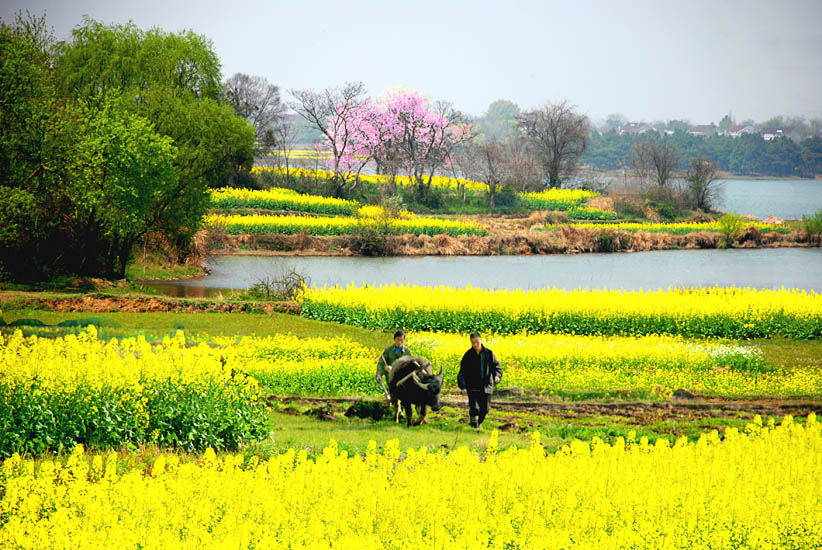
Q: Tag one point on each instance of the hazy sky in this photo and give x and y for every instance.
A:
(646, 59)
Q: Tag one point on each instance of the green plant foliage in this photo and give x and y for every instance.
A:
(812, 226)
(590, 213)
(730, 225)
(104, 138)
(747, 155)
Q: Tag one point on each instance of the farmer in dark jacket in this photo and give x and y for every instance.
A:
(479, 371)
(388, 356)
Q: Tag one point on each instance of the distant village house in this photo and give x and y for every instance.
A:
(636, 128)
(739, 130)
(769, 133)
(703, 130)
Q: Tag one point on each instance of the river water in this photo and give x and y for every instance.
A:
(763, 268)
(788, 199)
(759, 268)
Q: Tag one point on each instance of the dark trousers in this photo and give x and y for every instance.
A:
(478, 402)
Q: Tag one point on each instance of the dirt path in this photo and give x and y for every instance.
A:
(639, 411)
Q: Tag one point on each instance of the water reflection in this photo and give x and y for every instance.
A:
(759, 268)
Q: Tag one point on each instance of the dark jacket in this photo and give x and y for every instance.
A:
(388, 356)
(477, 371)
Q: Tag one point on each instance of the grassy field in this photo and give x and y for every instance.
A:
(309, 424)
(778, 351)
(205, 325)
(295, 424)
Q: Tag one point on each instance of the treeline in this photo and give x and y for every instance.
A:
(110, 136)
(748, 155)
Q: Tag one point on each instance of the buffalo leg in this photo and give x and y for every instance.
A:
(409, 412)
(421, 411)
(396, 405)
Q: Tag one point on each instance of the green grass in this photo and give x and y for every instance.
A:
(296, 431)
(156, 267)
(784, 352)
(207, 324)
(290, 428)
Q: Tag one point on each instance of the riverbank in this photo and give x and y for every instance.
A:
(506, 237)
(136, 303)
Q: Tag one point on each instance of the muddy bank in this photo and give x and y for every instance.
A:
(516, 241)
(93, 304)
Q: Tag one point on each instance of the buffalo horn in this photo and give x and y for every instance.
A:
(417, 381)
(405, 379)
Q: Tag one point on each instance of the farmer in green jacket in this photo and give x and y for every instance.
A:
(388, 356)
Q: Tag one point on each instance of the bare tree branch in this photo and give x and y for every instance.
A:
(256, 100)
(655, 161)
(559, 135)
(330, 112)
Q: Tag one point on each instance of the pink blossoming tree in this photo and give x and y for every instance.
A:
(402, 132)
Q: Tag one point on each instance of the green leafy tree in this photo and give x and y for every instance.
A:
(812, 155)
(500, 119)
(107, 137)
(123, 171)
(31, 148)
(615, 121)
(730, 225)
(812, 226)
(774, 121)
(726, 122)
(679, 126)
(173, 81)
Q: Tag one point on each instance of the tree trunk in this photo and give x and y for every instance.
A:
(553, 177)
(111, 255)
(123, 256)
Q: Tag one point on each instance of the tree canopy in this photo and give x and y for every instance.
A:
(107, 137)
(748, 154)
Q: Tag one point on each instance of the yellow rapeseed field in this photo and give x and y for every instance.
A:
(442, 182)
(58, 392)
(755, 490)
(697, 312)
(82, 359)
(78, 389)
(566, 364)
(554, 364)
(323, 225)
(278, 198)
(557, 199)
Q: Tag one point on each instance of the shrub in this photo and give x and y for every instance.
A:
(611, 241)
(507, 197)
(627, 207)
(286, 285)
(589, 213)
(812, 226)
(669, 202)
(730, 225)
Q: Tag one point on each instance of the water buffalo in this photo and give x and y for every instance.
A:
(412, 382)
